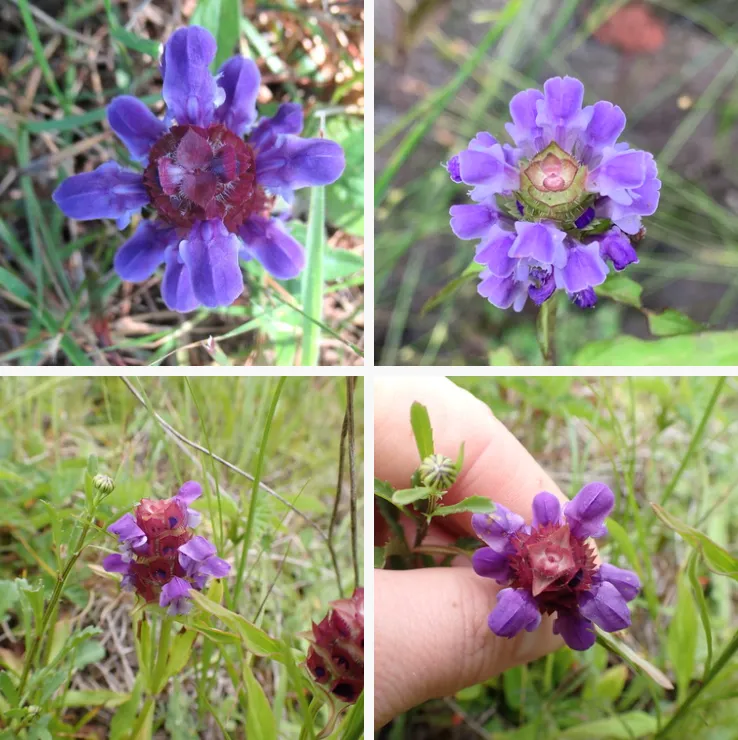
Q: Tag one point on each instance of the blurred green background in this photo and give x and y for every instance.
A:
(670, 64)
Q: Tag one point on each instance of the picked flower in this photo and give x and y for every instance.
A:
(336, 655)
(211, 191)
(550, 567)
(161, 558)
(555, 209)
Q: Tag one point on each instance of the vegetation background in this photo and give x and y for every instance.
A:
(48, 430)
(60, 300)
(664, 441)
(448, 70)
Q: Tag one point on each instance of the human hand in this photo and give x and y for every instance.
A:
(430, 624)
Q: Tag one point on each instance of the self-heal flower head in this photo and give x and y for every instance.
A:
(561, 206)
(336, 655)
(550, 567)
(161, 558)
(210, 190)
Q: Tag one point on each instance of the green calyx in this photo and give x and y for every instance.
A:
(553, 185)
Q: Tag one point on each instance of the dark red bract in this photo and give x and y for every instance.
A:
(198, 174)
(553, 565)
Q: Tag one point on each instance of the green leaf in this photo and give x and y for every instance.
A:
(125, 717)
(313, 278)
(681, 641)
(135, 42)
(706, 348)
(341, 263)
(671, 323)
(180, 652)
(631, 657)
(95, 698)
(460, 459)
(352, 727)
(222, 18)
(409, 495)
(259, 716)
(607, 686)
(621, 289)
(380, 556)
(473, 505)
(256, 640)
(621, 727)
(699, 595)
(420, 422)
(451, 288)
(345, 198)
(717, 558)
(382, 488)
(8, 689)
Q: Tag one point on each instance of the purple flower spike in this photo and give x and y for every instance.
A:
(550, 568)
(568, 194)
(160, 557)
(210, 190)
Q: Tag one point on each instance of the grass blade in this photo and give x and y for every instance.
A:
(312, 278)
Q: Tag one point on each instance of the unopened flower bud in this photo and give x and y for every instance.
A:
(104, 483)
(438, 472)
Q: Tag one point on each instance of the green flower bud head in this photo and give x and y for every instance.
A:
(103, 483)
(438, 472)
(553, 184)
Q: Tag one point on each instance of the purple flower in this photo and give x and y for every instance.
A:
(554, 210)
(550, 568)
(161, 558)
(211, 192)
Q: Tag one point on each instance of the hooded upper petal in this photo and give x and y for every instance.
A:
(491, 564)
(210, 253)
(605, 606)
(587, 511)
(189, 88)
(584, 268)
(546, 509)
(495, 529)
(617, 248)
(278, 251)
(287, 120)
(472, 221)
(541, 242)
(493, 252)
(240, 79)
(487, 168)
(524, 130)
(135, 125)
(625, 581)
(577, 631)
(110, 191)
(618, 174)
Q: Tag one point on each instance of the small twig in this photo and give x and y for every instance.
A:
(178, 435)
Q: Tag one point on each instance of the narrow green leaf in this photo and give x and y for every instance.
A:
(699, 595)
(606, 686)
(717, 558)
(681, 642)
(134, 41)
(312, 278)
(410, 495)
(383, 489)
(420, 422)
(631, 657)
(620, 727)
(259, 716)
(352, 727)
(472, 505)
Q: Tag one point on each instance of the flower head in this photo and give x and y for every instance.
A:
(550, 567)
(336, 655)
(210, 190)
(161, 558)
(555, 209)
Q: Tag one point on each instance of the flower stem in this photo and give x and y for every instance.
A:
(162, 657)
(546, 327)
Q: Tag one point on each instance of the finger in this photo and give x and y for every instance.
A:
(432, 639)
(496, 465)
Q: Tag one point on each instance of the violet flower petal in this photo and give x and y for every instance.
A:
(587, 511)
(578, 633)
(107, 192)
(198, 548)
(471, 220)
(189, 492)
(625, 581)
(616, 247)
(211, 254)
(135, 125)
(516, 610)
(137, 259)
(493, 252)
(189, 88)
(584, 268)
(502, 292)
(546, 509)
(287, 120)
(278, 251)
(115, 563)
(128, 531)
(240, 79)
(176, 285)
(175, 595)
(605, 606)
(490, 563)
(541, 242)
(495, 529)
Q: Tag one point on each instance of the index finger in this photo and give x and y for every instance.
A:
(496, 464)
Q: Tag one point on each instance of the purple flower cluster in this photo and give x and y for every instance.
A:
(161, 558)
(553, 210)
(212, 191)
(550, 567)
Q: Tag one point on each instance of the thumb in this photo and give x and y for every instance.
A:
(432, 638)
